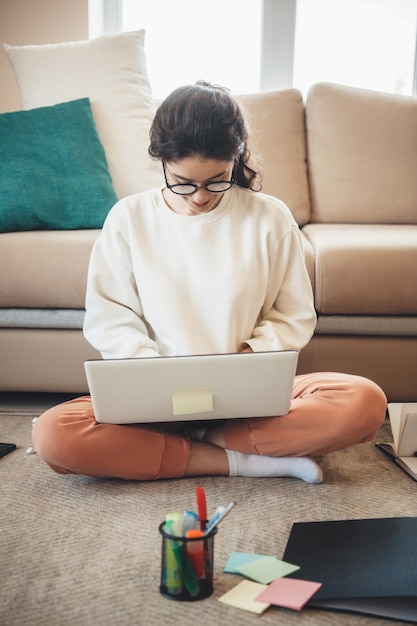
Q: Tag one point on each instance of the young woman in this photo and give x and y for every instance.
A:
(205, 265)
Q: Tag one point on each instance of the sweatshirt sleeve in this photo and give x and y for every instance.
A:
(288, 317)
(114, 322)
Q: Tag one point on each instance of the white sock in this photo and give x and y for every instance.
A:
(256, 466)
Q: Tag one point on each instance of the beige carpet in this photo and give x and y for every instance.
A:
(78, 551)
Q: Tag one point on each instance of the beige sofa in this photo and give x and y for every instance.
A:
(345, 162)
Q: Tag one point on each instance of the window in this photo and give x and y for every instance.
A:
(253, 45)
(183, 43)
(363, 43)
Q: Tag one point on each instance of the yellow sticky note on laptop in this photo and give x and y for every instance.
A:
(188, 401)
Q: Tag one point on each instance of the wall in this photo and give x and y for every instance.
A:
(25, 22)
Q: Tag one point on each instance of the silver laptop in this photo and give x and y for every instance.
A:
(185, 388)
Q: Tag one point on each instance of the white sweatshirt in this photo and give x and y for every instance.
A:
(161, 283)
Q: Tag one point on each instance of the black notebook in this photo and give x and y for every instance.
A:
(366, 566)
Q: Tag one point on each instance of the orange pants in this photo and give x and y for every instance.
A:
(328, 412)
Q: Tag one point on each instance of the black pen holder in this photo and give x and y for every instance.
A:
(186, 566)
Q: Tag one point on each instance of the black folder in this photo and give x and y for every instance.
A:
(366, 566)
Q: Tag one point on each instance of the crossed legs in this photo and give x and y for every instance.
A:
(328, 412)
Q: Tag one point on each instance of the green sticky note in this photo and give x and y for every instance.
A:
(266, 569)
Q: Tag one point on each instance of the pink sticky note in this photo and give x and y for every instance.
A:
(290, 593)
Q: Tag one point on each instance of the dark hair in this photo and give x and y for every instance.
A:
(203, 120)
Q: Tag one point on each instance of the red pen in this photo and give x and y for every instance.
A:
(201, 507)
(202, 516)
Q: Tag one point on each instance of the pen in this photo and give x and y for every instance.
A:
(219, 514)
(202, 515)
(202, 506)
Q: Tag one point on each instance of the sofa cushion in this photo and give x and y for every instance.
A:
(53, 169)
(364, 269)
(367, 325)
(111, 71)
(362, 155)
(42, 318)
(276, 121)
(45, 269)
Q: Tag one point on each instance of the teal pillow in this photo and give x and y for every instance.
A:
(53, 169)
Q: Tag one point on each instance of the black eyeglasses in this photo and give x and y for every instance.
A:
(187, 189)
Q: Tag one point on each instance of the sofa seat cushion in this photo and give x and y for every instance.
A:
(72, 319)
(367, 325)
(45, 269)
(364, 269)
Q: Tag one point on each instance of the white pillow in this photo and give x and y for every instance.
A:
(111, 71)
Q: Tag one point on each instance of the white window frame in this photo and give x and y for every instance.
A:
(277, 41)
(104, 17)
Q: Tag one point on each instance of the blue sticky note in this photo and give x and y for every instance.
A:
(237, 559)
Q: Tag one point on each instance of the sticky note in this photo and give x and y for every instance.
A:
(187, 401)
(236, 559)
(243, 597)
(266, 569)
(290, 593)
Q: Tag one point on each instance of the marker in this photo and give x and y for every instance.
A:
(176, 519)
(195, 552)
(172, 574)
(189, 521)
(219, 514)
(182, 570)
